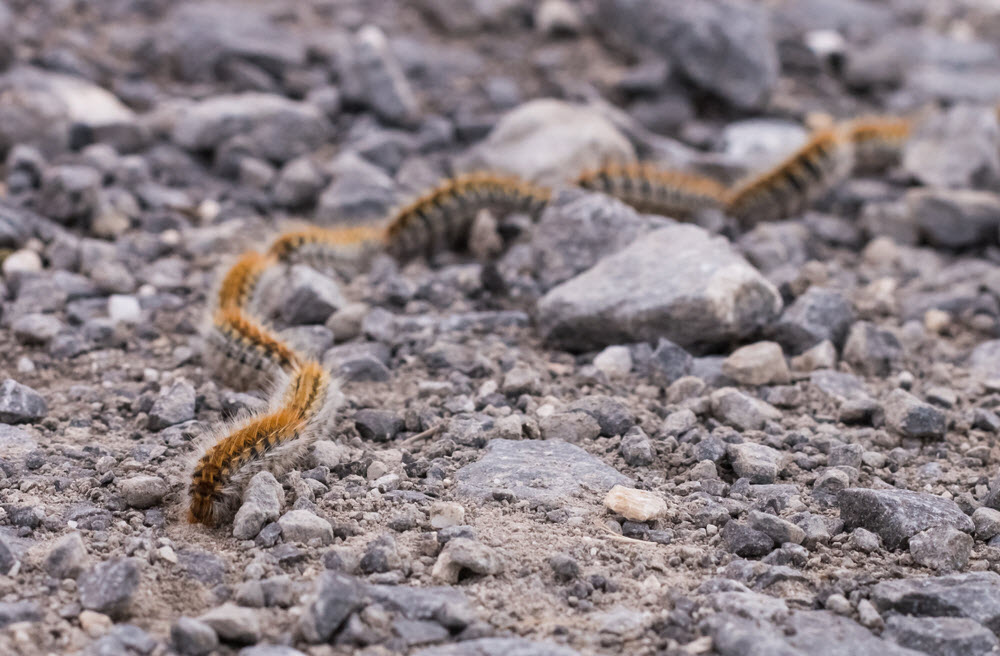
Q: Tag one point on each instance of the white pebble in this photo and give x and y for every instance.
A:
(22, 261)
(124, 309)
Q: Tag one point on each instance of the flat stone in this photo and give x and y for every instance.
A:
(898, 515)
(741, 410)
(549, 472)
(635, 505)
(972, 595)
(303, 526)
(941, 636)
(498, 647)
(233, 623)
(143, 491)
(677, 282)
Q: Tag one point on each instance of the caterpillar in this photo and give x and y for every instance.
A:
(653, 190)
(787, 188)
(246, 353)
(877, 141)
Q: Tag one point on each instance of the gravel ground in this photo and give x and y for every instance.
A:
(604, 432)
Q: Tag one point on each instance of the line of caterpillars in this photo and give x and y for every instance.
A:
(246, 353)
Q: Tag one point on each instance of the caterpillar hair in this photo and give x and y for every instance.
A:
(441, 219)
(653, 190)
(275, 441)
(787, 189)
(238, 285)
(243, 353)
(877, 142)
(323, 247)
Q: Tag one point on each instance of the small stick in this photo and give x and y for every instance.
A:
(419, 436)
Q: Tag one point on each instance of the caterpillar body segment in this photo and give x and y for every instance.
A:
(322, 248)
(788, 188)
(877, 142)
(657, 191)
(240, 282)
(243, 353)
(441, 219)
(275, 441)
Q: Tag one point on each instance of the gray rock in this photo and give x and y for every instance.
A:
(872, 350)
(545, 140)
(143, 491)
(336, 597)
(498, 647)
(665, 364)
(636, 448)
(204, 40)
(7, 557)
(278, 128)
(742, 411)
(972, 595)
(745, 541)
(516, 467)
(521, 379)
(233, 624)
(898, 515)
(959, 148)
(941, 636)
(19, 611)
(270, 650)
(309, 297)
(36, 329)
(377, 425)
(358, 362)
(756, 462)
(828, 485)
(984, 360)
(678, 282)
(303, 526)
(465, 555)
(762, 363)
(577, 229)
(823, 633)
(298, 184)
(572, 427)
(848, 455)
(987, 521)
(262, 502)
(359, 191)
(818, 314)
(19, 404)
(613, 415)
(109, 587)
(955, 218)
(722, 46)
(911, 417)
(779, 530)
(942, 548)
(70, 194)
(371, 76)
(174, 406)
(67, 558)
(192, 637)
(863, 540)
(14, 442)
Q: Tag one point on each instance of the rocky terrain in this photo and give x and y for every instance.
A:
(604, 432)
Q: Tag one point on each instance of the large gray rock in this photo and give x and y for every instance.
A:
(544, 472)
(943, 548)
(109, 587)
(941, 636)
(359, 191)
(548, 140)
(261, 504)
(723, 46)
(277, 128)
(202, 40)
(577, 229)
(678, 282)
(335, 598)
(955, 218)
(898, 515)
(498, 647)
(973, 595)
(959, 148)
(45, 109)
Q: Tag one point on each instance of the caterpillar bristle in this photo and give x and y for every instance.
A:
(238, 285)
(441, 219)
(787, 188)
(877, 141)
(323, 247)
(242, 352)
(656, 191)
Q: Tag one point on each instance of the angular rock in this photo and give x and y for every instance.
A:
(465, 555)
(70, 194)
(192, 637)
(941, 636)
(635, 505)
(874, 351)
(109, 587)
(498, 647)
(262, 502)
(984, 360)
(943, 548)
(972, 595)
(818, 314)
(36, 329)
(762, 363)
(233, 624)
(636, 448)
(676, 282)
(745, 541)
(336, 597)
(309, 297)
(756, 462)
(298, 184)
(371, 76)
(722, 46)
(911, 417)
(987, 521)
(959, 148)
(572, 427)
(67, 558)
(19, 404)
(613, 416)
(543, 139)
(742, 411)
(305, 525)
(517, 467)
(359, 191)
(898, 515)
(19, 611)
(174, 406)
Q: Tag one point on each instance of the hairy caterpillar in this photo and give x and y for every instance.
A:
(877, 142)
(658, 191)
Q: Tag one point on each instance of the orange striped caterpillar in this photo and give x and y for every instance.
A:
(657, 191)
(877, 141)
(787, 188)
